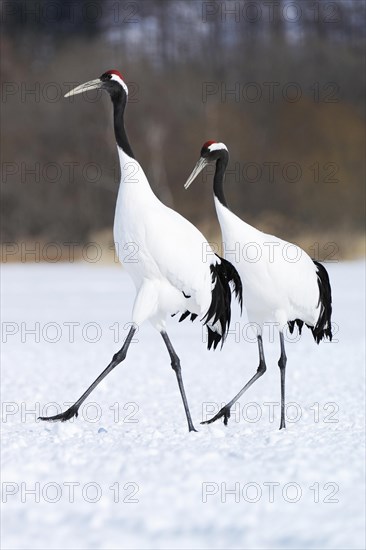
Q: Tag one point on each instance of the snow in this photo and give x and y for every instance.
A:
(126, 474)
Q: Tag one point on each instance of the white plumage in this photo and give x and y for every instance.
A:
(279, 279)
(172, 266)
(281, 283)
(168, 262)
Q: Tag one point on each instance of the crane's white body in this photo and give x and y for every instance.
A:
(279, 287)
(170, 263)
(279, 279)
(168, 252)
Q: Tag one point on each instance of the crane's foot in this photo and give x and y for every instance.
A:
(283, 424)
(191, 427)
(67, 415)
(225, 412)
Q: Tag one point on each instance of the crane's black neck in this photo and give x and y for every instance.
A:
(119, 100)
(218, 185)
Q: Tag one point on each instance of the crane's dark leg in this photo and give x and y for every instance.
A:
(117, 358)
(282, 364)
(225, 411)
(177, 369)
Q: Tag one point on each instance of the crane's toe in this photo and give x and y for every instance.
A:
(67, 415)
(225, 412)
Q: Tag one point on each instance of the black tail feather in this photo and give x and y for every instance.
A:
(298, 322)
(184, 316)
(223, 275)
(213, 338)
(323, 327)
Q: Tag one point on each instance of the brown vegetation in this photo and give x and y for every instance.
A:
(53, 149)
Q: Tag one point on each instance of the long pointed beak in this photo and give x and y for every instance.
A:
(196, 170)
(91, 85)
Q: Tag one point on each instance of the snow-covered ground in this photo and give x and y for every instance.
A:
(126, 473)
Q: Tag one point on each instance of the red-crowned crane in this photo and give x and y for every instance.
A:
(170, 273)
(279, 286)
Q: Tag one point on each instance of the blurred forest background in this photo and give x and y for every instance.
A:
(281, 83)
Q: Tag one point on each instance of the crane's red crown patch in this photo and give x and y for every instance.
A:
(207, 144)
(112, 71)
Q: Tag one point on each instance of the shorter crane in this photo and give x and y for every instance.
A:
(276, 288)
